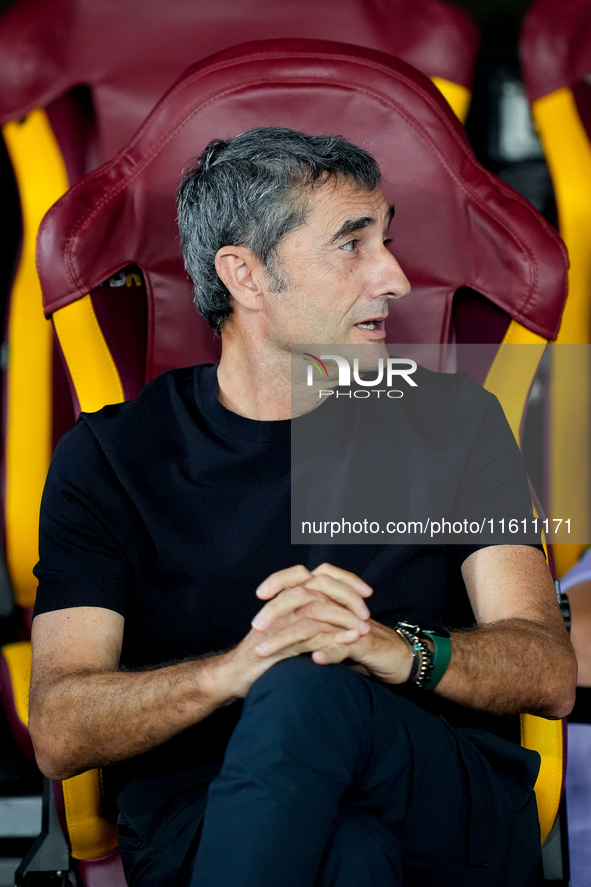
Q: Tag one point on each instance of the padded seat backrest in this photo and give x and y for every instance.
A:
(555, 50)
(445, 201)
(125, 53)
(555, 46)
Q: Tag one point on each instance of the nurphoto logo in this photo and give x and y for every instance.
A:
(387, 372)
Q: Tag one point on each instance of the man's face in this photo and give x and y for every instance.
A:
(338, 272)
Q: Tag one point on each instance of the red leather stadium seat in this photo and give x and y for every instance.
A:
(125, 54)
(555, 46)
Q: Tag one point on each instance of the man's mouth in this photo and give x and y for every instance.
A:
(375, 324)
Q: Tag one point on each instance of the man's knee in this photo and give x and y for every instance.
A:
(301, 679)
(301, 702)
(298, 704)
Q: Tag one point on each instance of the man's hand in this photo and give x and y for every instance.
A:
(85, 712)
(517, 659)
(326, 615)
(379, 651)
(298, 618)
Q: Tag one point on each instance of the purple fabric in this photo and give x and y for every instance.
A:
(581, 572)
(578, 771)
(578, 803)
(104, 872)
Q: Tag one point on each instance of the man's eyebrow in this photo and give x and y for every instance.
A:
(352, 225)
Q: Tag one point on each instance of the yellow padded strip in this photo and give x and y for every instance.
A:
(570, 446)
(91, 836)
(513, 370)
(568, 153)
(41, 179)
(18, 660)
(87, 355)
(545, 737)
(457, 96)
(510, 378)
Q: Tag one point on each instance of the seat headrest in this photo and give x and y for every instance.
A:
(128, 52)
(555, 45)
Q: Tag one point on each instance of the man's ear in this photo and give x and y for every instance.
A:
(242, 273)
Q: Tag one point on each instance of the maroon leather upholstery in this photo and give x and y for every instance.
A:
(453, 219)
(127, 52)
(555, 45)
(104, 872)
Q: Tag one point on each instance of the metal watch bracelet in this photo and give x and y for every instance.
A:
(428, 666)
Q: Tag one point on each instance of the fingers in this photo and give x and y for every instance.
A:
(332, 654)
(342, 592)
(324, 610)
(281, 580)
(345, 576)
(298, 575)
(304, 636)
(308, 612)
(312, 604)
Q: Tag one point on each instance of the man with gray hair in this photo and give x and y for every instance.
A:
(262, 712)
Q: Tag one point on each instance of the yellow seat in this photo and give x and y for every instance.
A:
(555, 48)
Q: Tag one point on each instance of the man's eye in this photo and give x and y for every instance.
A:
(387, 241)
(350, 245)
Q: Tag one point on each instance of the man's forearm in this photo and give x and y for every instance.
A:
(512, 666)
(519, 658)
(88, 719)
(84, 712)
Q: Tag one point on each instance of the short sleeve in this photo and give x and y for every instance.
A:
(84, 531)
(493, 491)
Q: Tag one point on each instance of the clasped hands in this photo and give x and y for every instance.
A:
(324, 612)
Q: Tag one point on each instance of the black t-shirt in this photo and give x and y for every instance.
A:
(172, 509)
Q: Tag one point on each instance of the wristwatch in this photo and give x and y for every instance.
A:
(428, 666)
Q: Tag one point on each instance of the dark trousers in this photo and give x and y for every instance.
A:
(331, 779)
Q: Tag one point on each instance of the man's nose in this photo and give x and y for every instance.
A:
(396, 281)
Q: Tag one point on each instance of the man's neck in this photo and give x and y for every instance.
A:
(257, 380)
(254, 385)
